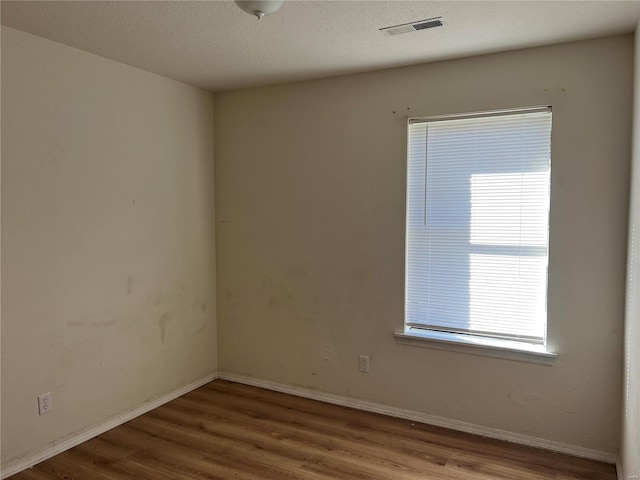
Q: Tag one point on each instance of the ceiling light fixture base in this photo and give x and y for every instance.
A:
(259, 8)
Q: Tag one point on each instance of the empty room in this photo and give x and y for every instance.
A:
(320, 240)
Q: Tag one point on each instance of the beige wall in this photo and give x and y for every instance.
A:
(107, 236)
(108, 261)
(630, 441)
(310, 238)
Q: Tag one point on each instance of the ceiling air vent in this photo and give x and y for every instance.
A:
(413, 26)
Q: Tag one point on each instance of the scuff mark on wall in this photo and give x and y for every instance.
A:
(328, 361)
(163, 321)
(105, 323)
(199, 330)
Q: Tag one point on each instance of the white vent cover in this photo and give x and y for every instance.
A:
(413, 26)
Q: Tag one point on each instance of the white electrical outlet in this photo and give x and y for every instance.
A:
(44, 403)
(364, 364)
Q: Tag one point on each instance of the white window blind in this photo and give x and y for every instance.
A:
(477, 224)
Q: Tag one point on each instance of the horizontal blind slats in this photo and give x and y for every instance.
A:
(477, 224)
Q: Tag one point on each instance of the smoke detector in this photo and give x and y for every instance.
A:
(413, 26)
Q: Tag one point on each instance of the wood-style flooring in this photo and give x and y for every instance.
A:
(226, 430)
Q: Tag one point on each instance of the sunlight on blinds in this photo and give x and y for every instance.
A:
(477, 224)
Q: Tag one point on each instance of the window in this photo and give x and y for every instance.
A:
(477, 226)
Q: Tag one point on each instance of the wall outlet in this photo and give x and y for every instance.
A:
(44, 403)
(363, 365)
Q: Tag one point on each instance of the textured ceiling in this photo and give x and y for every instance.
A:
(214, 45)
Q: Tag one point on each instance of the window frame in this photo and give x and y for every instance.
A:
(466, 342)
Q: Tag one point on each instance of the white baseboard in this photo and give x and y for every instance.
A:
(619, 471)
(70, 442)
(425, 418)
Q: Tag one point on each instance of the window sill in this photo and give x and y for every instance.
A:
(488, 347)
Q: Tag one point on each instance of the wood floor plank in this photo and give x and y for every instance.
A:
(389, 432)
(304, 435)
(172, 459)
(226, 431)
(317, 417)
(31, 474)
(441, 441)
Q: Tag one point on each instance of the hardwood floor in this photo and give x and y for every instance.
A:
(226, 430)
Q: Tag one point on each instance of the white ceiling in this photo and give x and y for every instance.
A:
(214, 45)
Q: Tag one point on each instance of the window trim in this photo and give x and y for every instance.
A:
(539, 353)
(485, 114)
(476, 345)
